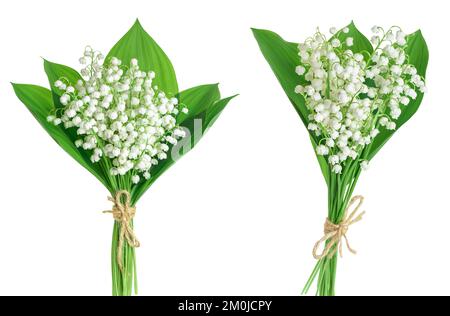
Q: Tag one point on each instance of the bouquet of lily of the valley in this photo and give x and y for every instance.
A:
(352, 94)
(123, 119)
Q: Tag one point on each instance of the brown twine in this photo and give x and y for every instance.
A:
(333, 233)
(123, 213)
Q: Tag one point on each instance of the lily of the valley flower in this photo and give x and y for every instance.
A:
(118, 113)
(351, 97)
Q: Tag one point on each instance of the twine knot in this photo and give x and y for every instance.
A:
(333, 233)
(123, 213)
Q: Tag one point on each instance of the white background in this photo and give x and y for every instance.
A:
(240, 213)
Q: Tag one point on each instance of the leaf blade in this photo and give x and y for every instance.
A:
(56, 72)
(137, 43)
(39, 102)
(360, 42)
(282, 56)
(197, 99)
(215, 110)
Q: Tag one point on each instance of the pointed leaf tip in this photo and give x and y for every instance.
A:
(137, 23)
(258, 31)
(137, 43)
(56, 71)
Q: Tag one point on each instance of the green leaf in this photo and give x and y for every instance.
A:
(215, 110)
(282, 57)
(136, 43)
(59, 72)
(56, 72)
(39, 102)
(197, 100)
(417, 51)
(360, 42)
(204, 108)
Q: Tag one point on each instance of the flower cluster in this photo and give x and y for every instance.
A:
(351, 96)
(119, 114)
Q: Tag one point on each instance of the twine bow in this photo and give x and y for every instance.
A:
(123, 213)
(333, 233)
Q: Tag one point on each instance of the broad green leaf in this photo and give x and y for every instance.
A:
(360, 42)
(70, 76)
(214, 111)
(136, 43)
(283, 57)
(202, 100)
(39, 102)
(59, 72)
(417, 51)
(198, 99)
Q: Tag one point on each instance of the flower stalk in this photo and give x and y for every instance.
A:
(340, 192)
(124, 276)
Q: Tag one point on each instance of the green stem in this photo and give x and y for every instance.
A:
(123, 280)
(339, 192)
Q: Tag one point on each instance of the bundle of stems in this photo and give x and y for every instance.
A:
(124, 280)
(340, 191)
